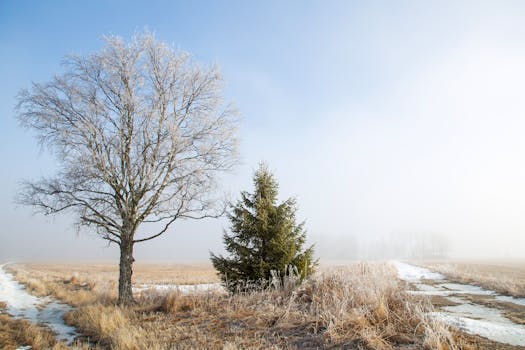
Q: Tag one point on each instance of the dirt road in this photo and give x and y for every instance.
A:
(470, 308)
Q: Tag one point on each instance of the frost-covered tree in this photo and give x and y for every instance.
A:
(140, 132)
(264, 237)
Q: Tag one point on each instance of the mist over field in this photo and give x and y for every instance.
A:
(398, 127)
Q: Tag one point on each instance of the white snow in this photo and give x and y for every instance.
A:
(183, 288)
(411, 273)
(508, 299)
(21, 304)
(447, 289)
(503, 332)
(466, 288)
(440, 292)
(470, 317)
(477, 312)
(415, 274)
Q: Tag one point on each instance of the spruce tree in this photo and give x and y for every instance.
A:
(264, 237)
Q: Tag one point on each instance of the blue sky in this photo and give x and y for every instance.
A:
(383, 118)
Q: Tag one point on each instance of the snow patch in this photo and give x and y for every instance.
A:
(508, 299)
(411, 273)
(21, 304)
(467, 316)
(182, 288)
(466, 288)
(503, 332)
(447, 289)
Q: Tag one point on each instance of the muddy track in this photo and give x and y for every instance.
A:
(46, 311)
(469, 308)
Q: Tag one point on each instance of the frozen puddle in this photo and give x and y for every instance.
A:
(505, 298)
(21, 304)
(411, 273)
(183, 288)
(502, 332)
(468, 316)
(447, 289)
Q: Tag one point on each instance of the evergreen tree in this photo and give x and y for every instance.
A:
(264, 237)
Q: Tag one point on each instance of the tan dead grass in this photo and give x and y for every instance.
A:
(69, 288)
(15, 333)
(507, 279)
(358, 306)
(143, 273)
(112, 327)
(368, 305)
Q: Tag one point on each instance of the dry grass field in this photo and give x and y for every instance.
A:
(506, 278)
(362, 306)
(17, 332)
(14, 333)
(143, 273)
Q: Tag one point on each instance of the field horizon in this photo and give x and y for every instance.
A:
(90, 291)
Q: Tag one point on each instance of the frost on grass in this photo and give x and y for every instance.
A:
(360, 305)
(182, 288)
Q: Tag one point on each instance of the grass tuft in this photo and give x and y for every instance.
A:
(357, 306)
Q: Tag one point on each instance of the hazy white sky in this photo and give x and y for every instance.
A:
(384, 119)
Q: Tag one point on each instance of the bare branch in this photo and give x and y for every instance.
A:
(140, 132)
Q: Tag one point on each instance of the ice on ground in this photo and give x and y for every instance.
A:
(447, 289)
(183, 288)
(468, 316)
(414, 274)
(441, 292)
(427, 287)
(456, 300)
(476, 311)
(21, 304)
(411, 273)
(507, 332)
(466, 288)
(505, 298)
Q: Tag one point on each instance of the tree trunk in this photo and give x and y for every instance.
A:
(125, 294)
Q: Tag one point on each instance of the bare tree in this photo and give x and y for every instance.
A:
(140, 132)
